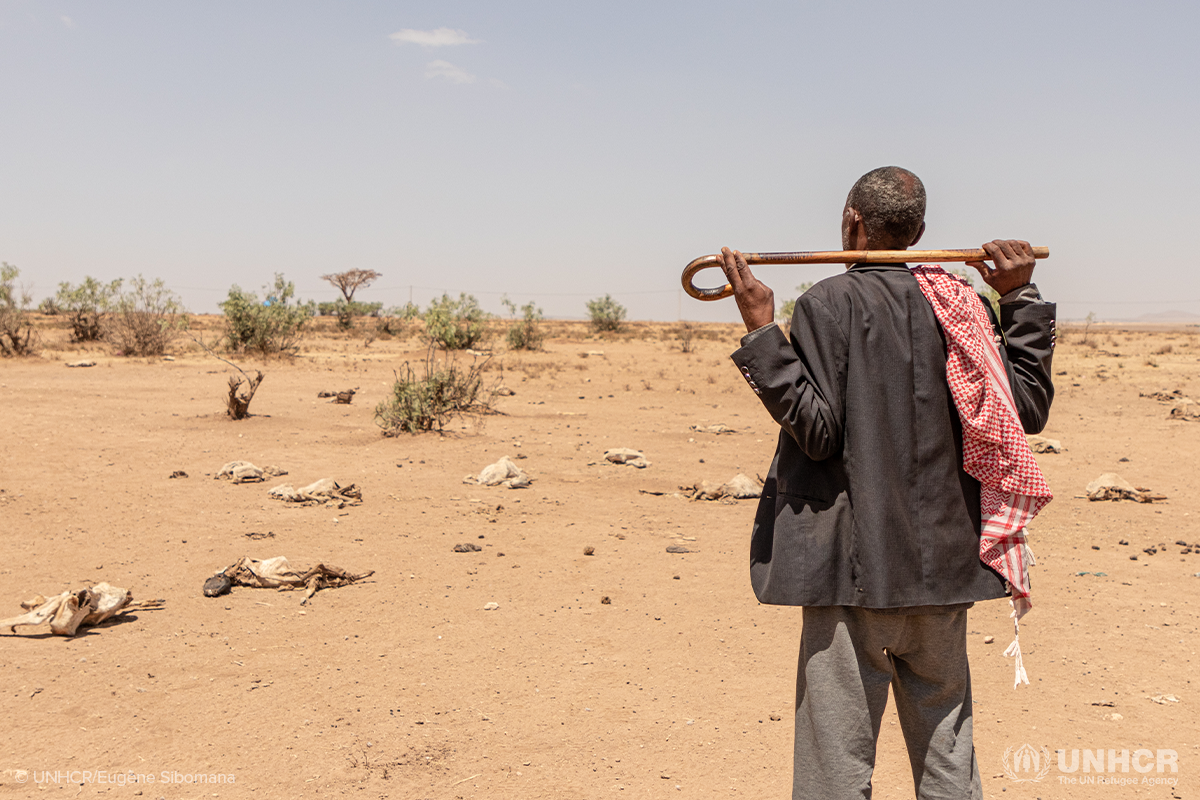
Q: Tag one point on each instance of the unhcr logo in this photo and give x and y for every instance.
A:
(1026, 764)
(1029, 764)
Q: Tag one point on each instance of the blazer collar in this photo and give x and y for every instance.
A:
(879, 267)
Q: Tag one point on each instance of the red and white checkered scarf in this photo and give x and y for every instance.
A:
(995, 451)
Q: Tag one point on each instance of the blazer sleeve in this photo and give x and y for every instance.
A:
(801, 380)
(1028, 327)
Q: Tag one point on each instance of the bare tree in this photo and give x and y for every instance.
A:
(351, 280)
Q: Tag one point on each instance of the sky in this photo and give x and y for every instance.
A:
(556, 152)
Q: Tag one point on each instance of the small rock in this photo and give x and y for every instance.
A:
(677, 548)
(81, 363)
(775, 718)
(1095, 547)
(589, 551)
(469, 547)
(178, 474)
(490, 606)
(605, 601)
(989, 639)
(1122, 541)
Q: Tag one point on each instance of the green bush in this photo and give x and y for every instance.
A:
(525, 333)
(346, 311)
(146, 318)
(456, 324)
(787, 307)
(396, 321)
(16, 334)
(605, 313)
(86, 305)
(428, 401)
(270, 327)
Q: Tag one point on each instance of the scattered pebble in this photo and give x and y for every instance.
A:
(469, 547)
(677, 548)
(491, 606)
(605, 601)
(589, 551)
(989, 639)
(775, 718)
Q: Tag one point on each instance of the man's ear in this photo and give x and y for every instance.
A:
(851, 224)
(920, 233)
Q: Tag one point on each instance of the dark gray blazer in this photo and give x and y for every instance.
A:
(866, 502)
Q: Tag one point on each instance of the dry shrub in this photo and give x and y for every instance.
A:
(687, 332)
(146, 319)
(442, 391)
(1164, 350)
(238, 402)
(16, 332)
(536, 370)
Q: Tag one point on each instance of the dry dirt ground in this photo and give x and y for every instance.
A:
(405, 687)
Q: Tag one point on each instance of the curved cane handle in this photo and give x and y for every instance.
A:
(704, 262)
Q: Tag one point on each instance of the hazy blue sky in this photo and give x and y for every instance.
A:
(558, 151)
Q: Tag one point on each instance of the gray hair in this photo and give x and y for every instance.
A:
(891, 201)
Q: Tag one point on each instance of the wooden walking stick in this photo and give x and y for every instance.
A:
(832, 257)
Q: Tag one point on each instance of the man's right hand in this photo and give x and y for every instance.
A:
(754, 298)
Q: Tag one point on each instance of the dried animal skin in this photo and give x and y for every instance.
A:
(72, 610)
(624, 455)
(240, 472)
(274, 573)
(322, 491)
(504, 472)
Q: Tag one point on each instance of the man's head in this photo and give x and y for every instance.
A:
(884, 211)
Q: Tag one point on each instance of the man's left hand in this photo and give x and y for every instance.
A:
(1013, 265)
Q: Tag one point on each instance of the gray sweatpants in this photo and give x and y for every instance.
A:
(848, 658)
